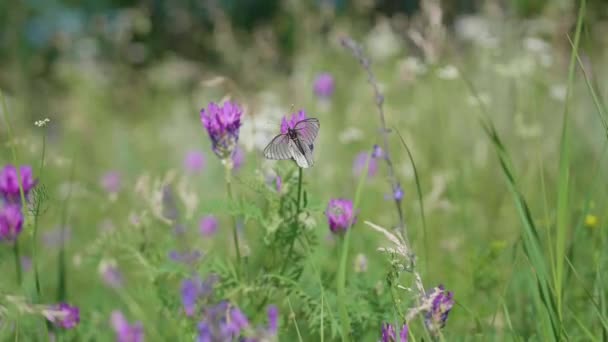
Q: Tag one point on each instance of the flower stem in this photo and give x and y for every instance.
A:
(17, 261)
(298, 209)
(235, 235)
(37, 206)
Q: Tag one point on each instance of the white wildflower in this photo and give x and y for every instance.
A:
(42, 123)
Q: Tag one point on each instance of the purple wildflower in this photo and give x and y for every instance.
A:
(204, 332)
(234, 324)
(324, 86)
(389, 334)
(377, 152)
(126, 332)
(398, 193)
(340, 215)
(111, 182)
(185, 257)
(66, 316)
(359, 165)
(441, 304)
(11, 222)
(273, 319)
(9, 184)
(292, 121)
(190, 291)
(238, 158)
(194, 162)
(208, 225)
(222, 124)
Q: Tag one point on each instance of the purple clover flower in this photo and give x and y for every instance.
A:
(222, 124)
(66, 316)
(111, 182)
(194, 162)
(11, 222)
(441, 304)
(208, 225)
(324, 86)
(126, 332)
(292, 121)
(359, 165)
(389, 334)
(340, 215)
(9, 184)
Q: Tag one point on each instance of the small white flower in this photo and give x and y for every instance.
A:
(42, 123)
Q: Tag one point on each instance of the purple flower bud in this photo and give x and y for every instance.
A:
(11, 222)
(279, 183)
(377, 152)
(9, 183)
(273, 319)
(194, 162)
(398, 193)
(208, 225)
(359, 165)
(403, 335)
(110, 274)
(292, 121)
(126, 332)
(340, 215)
(111, 182)
(324, 86)
(222, 124)
(204, 332)
(65, 316)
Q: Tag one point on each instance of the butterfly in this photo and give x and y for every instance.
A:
(296, 143)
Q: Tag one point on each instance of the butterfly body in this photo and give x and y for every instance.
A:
(297, 143)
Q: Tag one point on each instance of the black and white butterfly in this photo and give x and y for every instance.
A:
(296, 143)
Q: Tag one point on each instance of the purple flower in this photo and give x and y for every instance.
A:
(359, 165)
(389, 334)
(190, 291)
(11, 222)
(9, 184)
(222, 124)
(340, 215)
(238, 158)
(194, 162)
(273, 319)
(324, 86)
(111, 182)
(398, 193)
(126, 332)
(204, 332)
(292, 121)
(377, 152)
(208, 225)
(234, 324)
(441, 304)
(64, 315)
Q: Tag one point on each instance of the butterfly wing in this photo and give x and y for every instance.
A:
(279, 148)
(307, 131)
(301, 153)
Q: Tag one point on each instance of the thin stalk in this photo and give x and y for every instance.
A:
(36, 217)
(235, 234)
(298, 209)
(17, 257)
